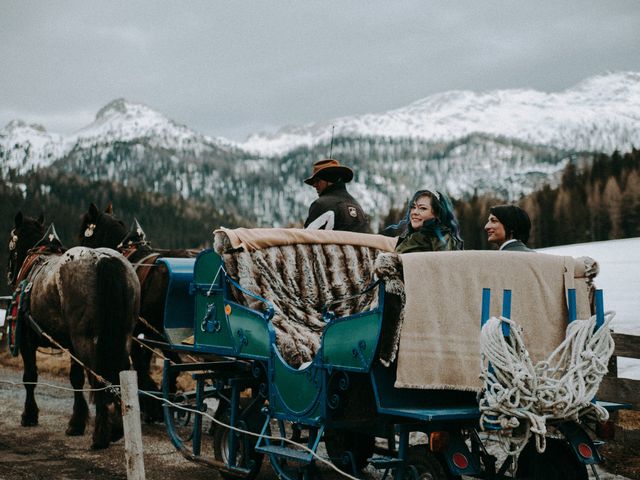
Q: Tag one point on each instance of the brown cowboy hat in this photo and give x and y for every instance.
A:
(329, 166)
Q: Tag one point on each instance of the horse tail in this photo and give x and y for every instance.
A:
(116, 304)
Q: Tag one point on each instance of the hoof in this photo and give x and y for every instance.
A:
(101, 445)
(153, 418)
(29, 422)
(116, 434)
(74, 431)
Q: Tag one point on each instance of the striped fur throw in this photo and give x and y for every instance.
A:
(299, 280)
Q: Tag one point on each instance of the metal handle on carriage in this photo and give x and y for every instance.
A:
(270, 310)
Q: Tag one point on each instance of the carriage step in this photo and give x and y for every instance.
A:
(380, 461)
(285, 452)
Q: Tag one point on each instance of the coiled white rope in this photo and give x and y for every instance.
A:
(561, 387)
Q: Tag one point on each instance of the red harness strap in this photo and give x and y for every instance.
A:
(142, 267)
(28, 264)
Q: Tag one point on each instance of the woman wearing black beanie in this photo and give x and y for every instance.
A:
(508, 228)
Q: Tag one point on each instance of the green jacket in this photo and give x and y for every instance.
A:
(426, 240)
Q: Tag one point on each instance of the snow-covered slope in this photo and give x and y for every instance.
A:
(619, 278)
(505, 143)
(599, 114)
(126, 121)
(30, 147)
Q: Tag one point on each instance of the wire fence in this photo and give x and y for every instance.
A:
(166, 402)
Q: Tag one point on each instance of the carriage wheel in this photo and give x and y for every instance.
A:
(421, 464)
(557, 462)
(246, 456)
(340, 441)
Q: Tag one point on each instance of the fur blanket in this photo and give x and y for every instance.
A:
(299, 280)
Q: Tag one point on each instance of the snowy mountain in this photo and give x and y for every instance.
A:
(507, 143)
(599, 114)
(124, 121)
(30, 147)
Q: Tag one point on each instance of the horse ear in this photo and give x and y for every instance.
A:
(41, 219)
(109, 209)
(18, 219)
(93, 210)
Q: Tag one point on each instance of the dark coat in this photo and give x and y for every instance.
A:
(335, 205)
(517, 246)
(427, 239)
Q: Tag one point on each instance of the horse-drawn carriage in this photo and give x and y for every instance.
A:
(322, 338)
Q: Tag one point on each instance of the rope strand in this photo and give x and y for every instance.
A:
(517, 392)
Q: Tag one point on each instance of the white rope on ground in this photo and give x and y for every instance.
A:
(560, 387)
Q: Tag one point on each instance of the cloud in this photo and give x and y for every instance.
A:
(231, 68)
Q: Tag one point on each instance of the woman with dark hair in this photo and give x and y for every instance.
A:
(430, 225)
(508, 227)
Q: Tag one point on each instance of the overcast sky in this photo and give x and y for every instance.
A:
(237, 67)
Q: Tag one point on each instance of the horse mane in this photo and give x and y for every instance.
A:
(26, 232)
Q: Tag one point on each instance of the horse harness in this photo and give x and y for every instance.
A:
(144, 265)
(20, 311)
(20, 306)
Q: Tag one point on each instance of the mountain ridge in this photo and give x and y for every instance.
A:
(538, 117)
(527, 144)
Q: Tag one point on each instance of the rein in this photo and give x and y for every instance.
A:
(143, 266)
(27, 265)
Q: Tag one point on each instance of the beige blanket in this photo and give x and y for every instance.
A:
(439, 343)
(251, 239)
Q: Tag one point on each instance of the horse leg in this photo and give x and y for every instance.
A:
(102, 427)
(117, 428)
(141, 359)
(78, 421)
(173, 378)
(30, 378)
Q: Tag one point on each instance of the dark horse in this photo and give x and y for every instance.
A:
(103, 229)
(80, 299)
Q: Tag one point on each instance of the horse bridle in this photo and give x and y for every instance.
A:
(12, 261)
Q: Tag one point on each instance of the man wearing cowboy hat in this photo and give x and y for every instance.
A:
(334, 209)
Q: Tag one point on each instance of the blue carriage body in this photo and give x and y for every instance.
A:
(203, 317)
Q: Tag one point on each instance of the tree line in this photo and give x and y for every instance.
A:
(599, 201)
(168, 221)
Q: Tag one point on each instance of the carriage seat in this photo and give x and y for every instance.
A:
(178, 307)
(300, 272)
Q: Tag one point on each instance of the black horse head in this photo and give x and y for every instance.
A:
(25, 234)
(101, 229)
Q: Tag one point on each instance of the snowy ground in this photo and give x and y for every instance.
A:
(619, 278)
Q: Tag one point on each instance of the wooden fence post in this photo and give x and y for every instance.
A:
(133, 453)
(623, 390)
